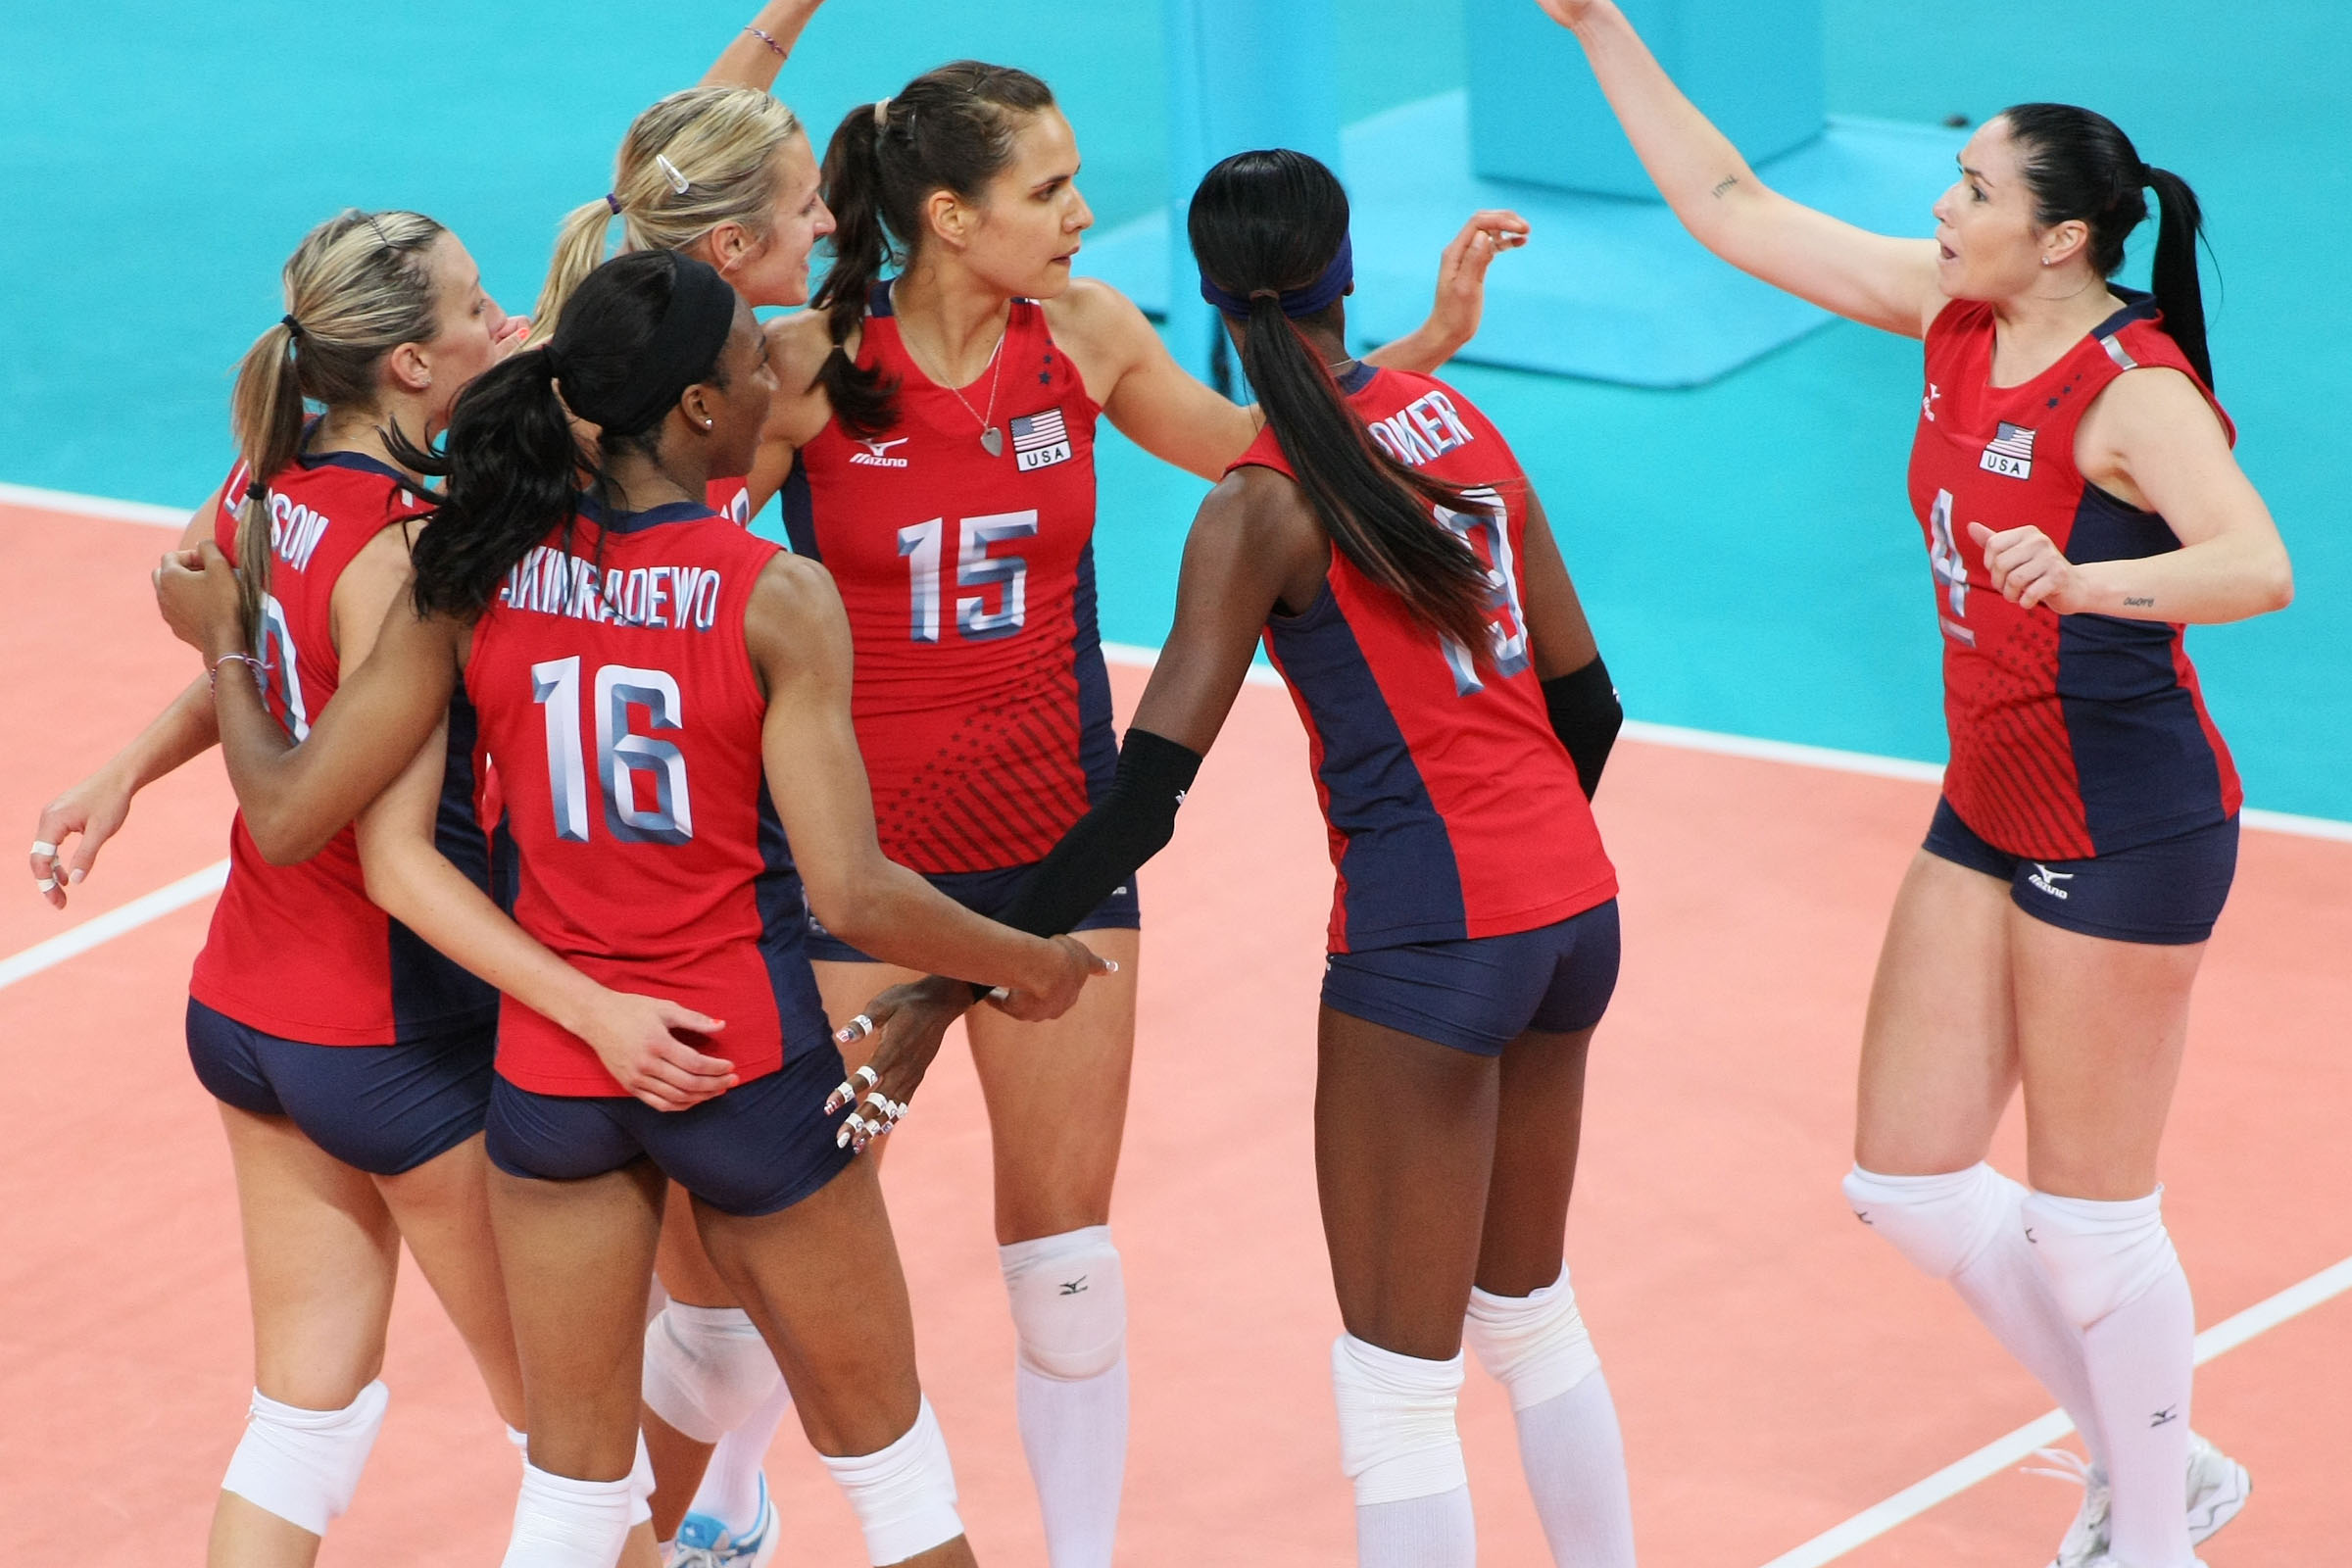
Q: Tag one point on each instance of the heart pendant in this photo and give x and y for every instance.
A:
(991, 441)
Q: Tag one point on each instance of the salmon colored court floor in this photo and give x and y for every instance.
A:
(1778, 1370)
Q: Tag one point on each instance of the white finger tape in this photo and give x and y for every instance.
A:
(866, 1075)
(47, 884)
(44, 847)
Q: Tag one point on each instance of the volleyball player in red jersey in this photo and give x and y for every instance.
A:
(934, 444)
(712, 671)
(2074, 479)
(1382, 538)
(352, 1063)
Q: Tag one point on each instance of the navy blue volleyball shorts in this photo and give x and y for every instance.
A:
(987, 893)
(2166, 894)
(756, 1149)
(379, 1108)
(1481, 994)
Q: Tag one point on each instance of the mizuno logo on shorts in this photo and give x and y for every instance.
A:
(2047, 880)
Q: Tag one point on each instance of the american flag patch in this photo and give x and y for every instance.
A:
(2010, 452)
(1040, 440)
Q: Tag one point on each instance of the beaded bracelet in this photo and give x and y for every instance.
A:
(764, 38)
(261, 672)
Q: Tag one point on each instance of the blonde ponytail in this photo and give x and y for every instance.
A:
(357, 288)
(692, 162)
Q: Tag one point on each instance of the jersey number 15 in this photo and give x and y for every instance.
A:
(922, 545)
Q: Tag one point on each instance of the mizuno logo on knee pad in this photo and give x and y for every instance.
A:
(1073, 1286)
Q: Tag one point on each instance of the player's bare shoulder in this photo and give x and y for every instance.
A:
(798, 346)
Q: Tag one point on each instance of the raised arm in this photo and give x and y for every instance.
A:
(1875, 279)
(800, 644)
(2152, 440)
(387, 705)
(753, 56)
(411, 881)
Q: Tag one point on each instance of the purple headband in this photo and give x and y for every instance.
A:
(1308, 299)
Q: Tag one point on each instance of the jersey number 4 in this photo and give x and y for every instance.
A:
(923, 546)
(1507, 631)
(628, 764)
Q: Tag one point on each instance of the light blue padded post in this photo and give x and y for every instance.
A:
(1241, 74)
(1753, 67)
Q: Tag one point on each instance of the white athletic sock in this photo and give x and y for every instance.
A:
(1069, 1314)
(1433, 1532)
(1964, 1226)
(730, 1489)
(563, 1523)
(1536, 1348)
(2114, 1271)
(1398, 1445)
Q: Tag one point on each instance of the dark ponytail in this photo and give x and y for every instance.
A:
(512, 461)
(949, 129)
(1263, 222)
(2080, 164)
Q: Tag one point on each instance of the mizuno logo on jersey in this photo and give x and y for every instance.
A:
(1422, 431)
(877, 453)
(1041, 440)
(2047, 880)
(2010, 453)
(1927, 405)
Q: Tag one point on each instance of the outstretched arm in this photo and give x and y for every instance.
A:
(296, 797)
(753, 56)
(411, 881)
(1875, 279)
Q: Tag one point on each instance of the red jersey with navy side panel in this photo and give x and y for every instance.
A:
(1453, 809)
(2072, 736)
(618, 704)
(982, 704)
(298, 951)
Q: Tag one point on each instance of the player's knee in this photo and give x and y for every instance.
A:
(1940, 1222)
(303, 1465)
(707, 1369)
(1536, 1345)
(1398, 1440)
(1069, 1302)
(2099, 1257)
(561, 1521)
(903, 1496)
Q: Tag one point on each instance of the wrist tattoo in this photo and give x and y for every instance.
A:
(1724, 184)
(2138, 603)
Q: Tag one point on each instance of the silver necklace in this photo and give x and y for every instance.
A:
(992, 439)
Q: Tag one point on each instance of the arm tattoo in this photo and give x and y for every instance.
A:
(2138, 603)
(1724, 184)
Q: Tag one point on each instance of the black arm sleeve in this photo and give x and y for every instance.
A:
(1586, 716)
(1127, 827)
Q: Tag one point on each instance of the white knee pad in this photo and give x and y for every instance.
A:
(1535, 1346)
(707, 1369)
(1398, 1440)
(903, 1496)
(2099, 1255)
(303, 1465)
(641, 1484)
(1941, 1222)
(1069, 1302)
(560, 1522)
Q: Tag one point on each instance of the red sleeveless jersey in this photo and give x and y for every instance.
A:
(982, 704)
(298, 951)
(731, 499)
(618, 705)
(1452, 807)
(2072, 736)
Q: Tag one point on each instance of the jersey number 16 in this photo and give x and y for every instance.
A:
(623, 758)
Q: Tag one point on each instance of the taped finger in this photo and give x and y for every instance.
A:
(44, 847)
(47, 884)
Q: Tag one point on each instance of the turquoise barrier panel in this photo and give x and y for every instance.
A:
(1242, 74)
(1753, 67)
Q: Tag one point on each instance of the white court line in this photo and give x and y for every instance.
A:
(80, 506)
(103, 928)
(2002, 1452)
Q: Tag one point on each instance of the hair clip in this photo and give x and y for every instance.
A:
(669, 171)
(881, 116)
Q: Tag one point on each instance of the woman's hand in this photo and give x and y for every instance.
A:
(907, 1024)
(1567, 13)
(637, 1039)
(2029, 570)
(95, 808)
(1461, 300)
(513, 336)
(1055, 991)
(197, 592)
